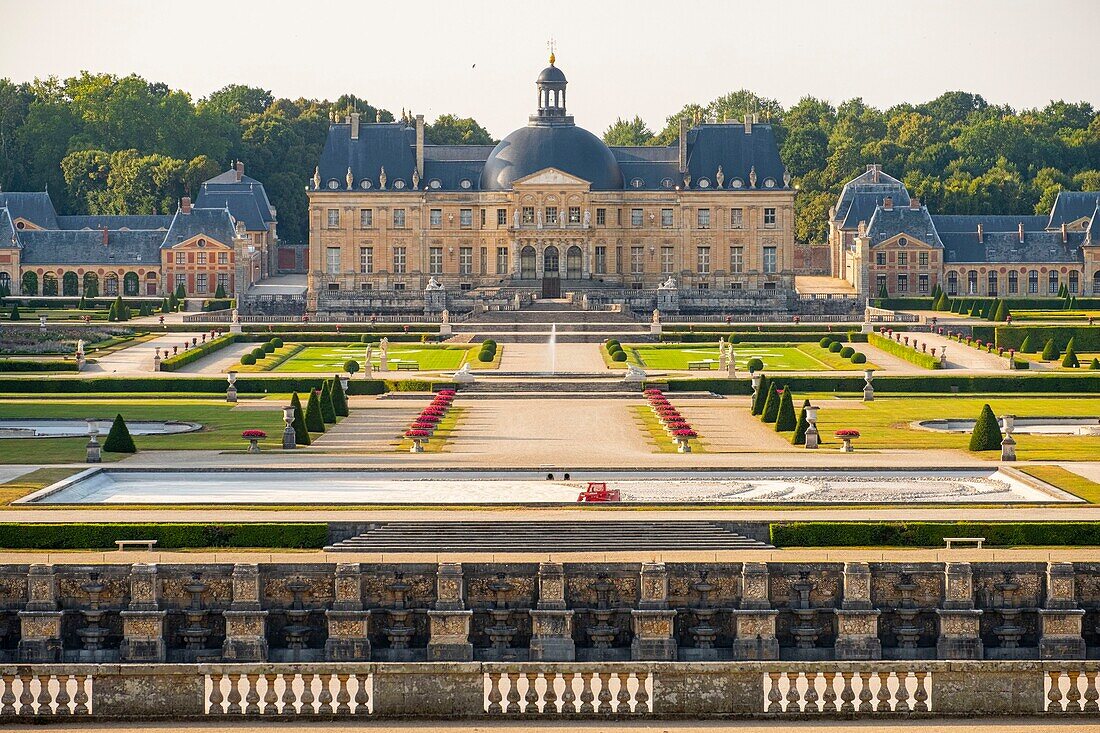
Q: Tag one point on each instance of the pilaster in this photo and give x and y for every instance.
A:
(40, 622)
(245, 621)
(348, 622)
(551, 622)
(1061, 617)
(755, 620)
(449, 622)
(652, 620)
(143, 621)
(857, 619)
(959, 620)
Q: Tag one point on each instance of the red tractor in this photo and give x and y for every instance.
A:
(597, 491)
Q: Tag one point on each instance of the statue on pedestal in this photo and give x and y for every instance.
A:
(384, 348)
(587, 219)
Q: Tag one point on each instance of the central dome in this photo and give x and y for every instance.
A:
(551, 140)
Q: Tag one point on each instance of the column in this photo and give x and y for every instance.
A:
(959, 633)
(1061, 618)
(857, 619)
(40, 623)
(449, 622)
(755, 638)
(143, 621)
(245, 621)
(551, 621)
(653, 621)
(348, 623)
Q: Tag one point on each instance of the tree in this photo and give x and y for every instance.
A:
(1025, 345)
(761, 396)
(220, 292)
(328, 410)
(339, 399)
(452, 130)
(301, 434)
(882, 292)
(799, 437)
(976, 309)
(785, 419)
(315, 421)
(771, 405)
(1070, 360)
(14, 315)
(628, 132)
(119, 439)
(1050, 351)
(1094, 364)
(181, 293)
(1002, 312)
(987, 433)
(351, 366)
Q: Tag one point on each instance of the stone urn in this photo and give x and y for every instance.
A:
(253, 437)
(846, 438)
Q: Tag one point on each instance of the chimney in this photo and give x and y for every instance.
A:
(874, 169)
(981, 233)
(683, 145)
(106, 237)
(914, 203)
(240, 169)
(354, 125)
(1021, 230)
(888, 203)
(185, 203)
(1065, 234)
(749, 119)
(420, 145)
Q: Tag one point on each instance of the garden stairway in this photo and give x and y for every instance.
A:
(547, 536)
(366, 429)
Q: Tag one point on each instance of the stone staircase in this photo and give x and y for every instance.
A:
(547, 536)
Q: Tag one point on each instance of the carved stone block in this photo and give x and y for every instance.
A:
(959, 634)
(40, 636)
(754, 586)
(142, 636)
(755, 639)
(551, 587)
(245, 636)
(450, 636)
(653, 635)
(552, 636)
(348, 636)
(1061, 637)
(857, 634)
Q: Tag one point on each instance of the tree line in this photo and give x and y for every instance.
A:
(104, 144)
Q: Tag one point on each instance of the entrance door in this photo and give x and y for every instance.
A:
(551, 276)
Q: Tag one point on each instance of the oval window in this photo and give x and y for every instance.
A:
(399, 184)
(334, 184)
(465, 183)
(365, 183)
(704, 183)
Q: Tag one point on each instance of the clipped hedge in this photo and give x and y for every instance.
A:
(194, 385)
(79, 536)
(931, 534)
(37, 365)
(908, 353)
(1086, 338)
(195, 353)
(762, 337)
(1037, 383)
(905, 304)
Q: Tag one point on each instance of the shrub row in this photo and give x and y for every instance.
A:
(37, 365)
(615, 350)
(910, 354)
(488, 351)
(787, 327)
(905, 304)
(1085, 338)
(769, 336)
(193, 385)
(20, 536)
(389, 329)
(195, 353)
(1038, 383)
(931, 534)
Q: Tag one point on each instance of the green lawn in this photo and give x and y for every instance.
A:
(59, 314)
(884, 423)
(1068, 481)
(780, 357)
(222, 425)
(330, 359)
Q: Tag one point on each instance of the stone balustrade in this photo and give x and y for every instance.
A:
(548, 612)
(661, 690)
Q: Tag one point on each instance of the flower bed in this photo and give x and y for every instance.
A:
(671, 420)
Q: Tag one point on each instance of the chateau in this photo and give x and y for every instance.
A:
(881, 237)
(225, 240)
(400, 225)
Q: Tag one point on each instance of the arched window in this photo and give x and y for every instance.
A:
(527, 263)
(573, 263)
(1096, 283)
(130, 284)
(952, 283)
(70, 284)
(30, 283)
(972, 282)
(49, 284)
(1074, 282)
(91, 285)
(1052, 282)
(1033, 281)
(1013, 282)
(992, 283)
(5, 283)
(110, 284)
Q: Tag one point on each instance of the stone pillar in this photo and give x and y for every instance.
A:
(857, 618)
(1061, 618)
(959, 637)
(868, 387)
(551, 621)
(143, 621)
(1008, 443)
(348, 623)
(755, 639)
(40, 623)
(449, 623)
(652, 620)
(245, 621)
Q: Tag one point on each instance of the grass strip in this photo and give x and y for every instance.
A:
(28, 483)
(931, 534)
(88, 536)
(1067, 481)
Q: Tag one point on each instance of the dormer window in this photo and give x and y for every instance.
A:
(465, 183)
(704, 183)
(769, 183)
(666, 183)
(399, 184)
(333, 184)
(636, 183)
(435, 183)
(737, 183)
(365, 183)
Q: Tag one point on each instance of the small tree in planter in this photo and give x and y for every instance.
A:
(754, 365)
(785, 420)
(799, 437)
(14, 313)
(301, 434)
(119, 439)
(1050, 351)
(1070, 361)
(761, 396)
(771, 406)
(987, 433)
(328, 410)
(315, 421)
(339, 399)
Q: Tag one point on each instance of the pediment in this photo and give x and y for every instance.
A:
(193, 243)
(550, 177)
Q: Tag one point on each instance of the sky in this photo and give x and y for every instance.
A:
(479, 58)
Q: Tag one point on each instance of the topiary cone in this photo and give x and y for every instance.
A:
(1070, 361)
(301, 434)
(771, 406)
(799, 437)
(315, 421)
(119, 439)
(786, 420)
(761, 396)
(339, 399)
(328, 410)
(1025, 345)
(987, 433)
(1050, 351)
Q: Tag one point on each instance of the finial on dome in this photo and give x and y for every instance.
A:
(551, 45)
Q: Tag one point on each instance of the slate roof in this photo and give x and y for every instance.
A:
(34, 206)
(85, 246)
(1006, 247)
(861, 195)
(151, 221)
(885, 224)
(214, 223)
(8, 236)
(246, 199)
(998, 223)
(1071, 206)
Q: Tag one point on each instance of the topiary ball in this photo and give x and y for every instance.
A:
(824, 343)
(755, 364)
(268, 347)
(277, 342)
(248, 359)
(859, 358)
(485, 356)
(847, 352)
(835, 347)
(619, 355)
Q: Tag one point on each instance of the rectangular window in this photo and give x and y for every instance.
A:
(502, 260)
(737, 260)
(399, 286)
(666, 218)
(465, 260)
(332, 261)
(223, 258)
(702, 261)
(398, 261)
(398, 218)
(223, 281)
(903, 283)
(366, 218)
(618, 260)
(551, 216)
(574, 215)
(922, 259)
(880, 282)
(769, 260)
(366, 260)
(483, 260)
(880, 258)
(502, 217)
(435, 260)
(200, 282)
(903, 259)
(201, 258)
(366, 286)
(922, 284)
(1074, 283)
(769, 218)
(702, 219)
(435, 218)
(465, 218)
(635, 217)
(528, 214)
(737, 218)
(1033, 282)
(482, 218)
(181, 258)
(1013, 283)
(181, 279)
(601, 217)
(618, 217)
(333, 218)
(601, 258)
(667, 261)
(637, 260)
